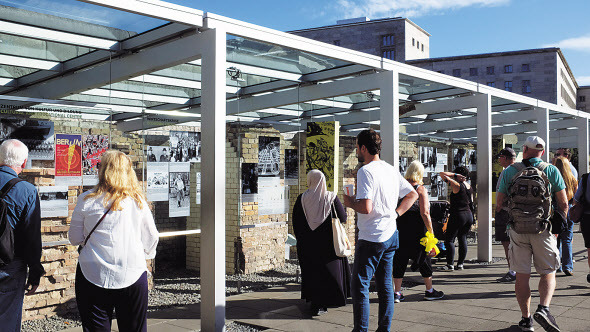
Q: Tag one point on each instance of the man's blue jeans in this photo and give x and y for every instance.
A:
(12, 292)
(373, 258)
(564, 243)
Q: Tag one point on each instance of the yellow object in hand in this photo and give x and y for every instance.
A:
(429, 241)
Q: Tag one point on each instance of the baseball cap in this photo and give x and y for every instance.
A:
(507, 152)
(535, 143)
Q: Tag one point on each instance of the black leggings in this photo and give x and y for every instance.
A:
(458, 227)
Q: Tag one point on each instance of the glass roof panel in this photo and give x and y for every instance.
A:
(414, 87)
(259, 54)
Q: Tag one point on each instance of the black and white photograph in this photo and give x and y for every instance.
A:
(37, 135)
(185, 146)
(459, 157)
(404, 162)
(179, 190)
(438, 188)
(157, 182)
(269, 156)
(53, 201)
(158, 154)
(472, 160)
(441, 162)
(249, 178)
(428, 158)
(291, 164)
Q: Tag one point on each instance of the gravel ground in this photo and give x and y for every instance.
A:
(175, 288)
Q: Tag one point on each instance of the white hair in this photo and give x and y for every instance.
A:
(13, 153)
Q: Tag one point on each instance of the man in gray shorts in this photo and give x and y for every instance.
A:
(506, 157)
(538, 248)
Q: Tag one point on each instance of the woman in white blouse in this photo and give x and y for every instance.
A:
(112, 269)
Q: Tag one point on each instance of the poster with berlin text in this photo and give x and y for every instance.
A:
(157, 182)
(53, 201)
(92, 149)
(68, 160)
(179, 189)
(37, 135)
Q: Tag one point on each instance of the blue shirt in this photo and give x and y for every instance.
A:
(578, 195)
(24, 215)
(555, 178)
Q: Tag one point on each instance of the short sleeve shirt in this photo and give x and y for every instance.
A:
(383, 185)
(555, 178)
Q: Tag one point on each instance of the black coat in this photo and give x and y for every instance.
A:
(325, 277)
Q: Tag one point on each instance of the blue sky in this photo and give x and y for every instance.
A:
(458, 27)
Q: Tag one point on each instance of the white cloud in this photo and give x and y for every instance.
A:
(407, 8)
(583, 80)
(576, 43)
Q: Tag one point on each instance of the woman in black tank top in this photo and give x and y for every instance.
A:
(461, 216)
(412, 226)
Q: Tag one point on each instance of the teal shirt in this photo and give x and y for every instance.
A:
(555, 178)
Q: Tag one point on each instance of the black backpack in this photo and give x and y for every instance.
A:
(6, 231)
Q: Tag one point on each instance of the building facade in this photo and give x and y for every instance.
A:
(538, 73)
(396, 38)
(583, 102)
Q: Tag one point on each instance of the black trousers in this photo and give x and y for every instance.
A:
(96, 305)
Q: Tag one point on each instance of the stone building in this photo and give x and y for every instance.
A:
(583, 101)
(395, 38)
(538, 73)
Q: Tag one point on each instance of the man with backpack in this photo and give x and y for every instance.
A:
(20, 235)
(530, 188)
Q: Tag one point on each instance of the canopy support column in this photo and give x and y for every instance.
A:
(484, 178)
(582, 146)
(543, 130)
(389, 108)
(213, 133)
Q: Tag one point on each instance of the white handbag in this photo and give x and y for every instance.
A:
(342, 245)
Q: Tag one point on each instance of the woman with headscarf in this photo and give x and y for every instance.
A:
(325, 277)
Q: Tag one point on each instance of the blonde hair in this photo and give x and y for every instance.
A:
(415, 172)
(117, 180)
(571, 183)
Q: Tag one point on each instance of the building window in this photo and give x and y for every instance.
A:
(337, 42)
(508, 68)
(389, 54)
(472, 71)
(388, 40)
(508, 85)
(490, 70)
(526, 86)
(457, 72)
(492, 84)
(413, 42)
(582, 99)
(422, 47)
(418, 45)
(526, 67)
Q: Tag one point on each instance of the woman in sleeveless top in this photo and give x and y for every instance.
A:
(412, 226)
(461, 216)
(325, 277)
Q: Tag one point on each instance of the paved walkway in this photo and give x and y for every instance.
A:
(473, 302)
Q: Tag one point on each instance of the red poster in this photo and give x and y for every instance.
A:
(68, 155)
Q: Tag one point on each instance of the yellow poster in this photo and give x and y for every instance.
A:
(322, 150)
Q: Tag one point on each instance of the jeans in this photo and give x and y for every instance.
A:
(564, 243)
(12, 292)
(373, 258)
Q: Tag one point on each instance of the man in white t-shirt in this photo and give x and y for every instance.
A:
(379, 186)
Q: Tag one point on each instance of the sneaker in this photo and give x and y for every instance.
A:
(526, 324)
(545, 319)
(459, 267)
(398, 297)
(446, 268)
(568, 273)
(434, 295)
(507, 278)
